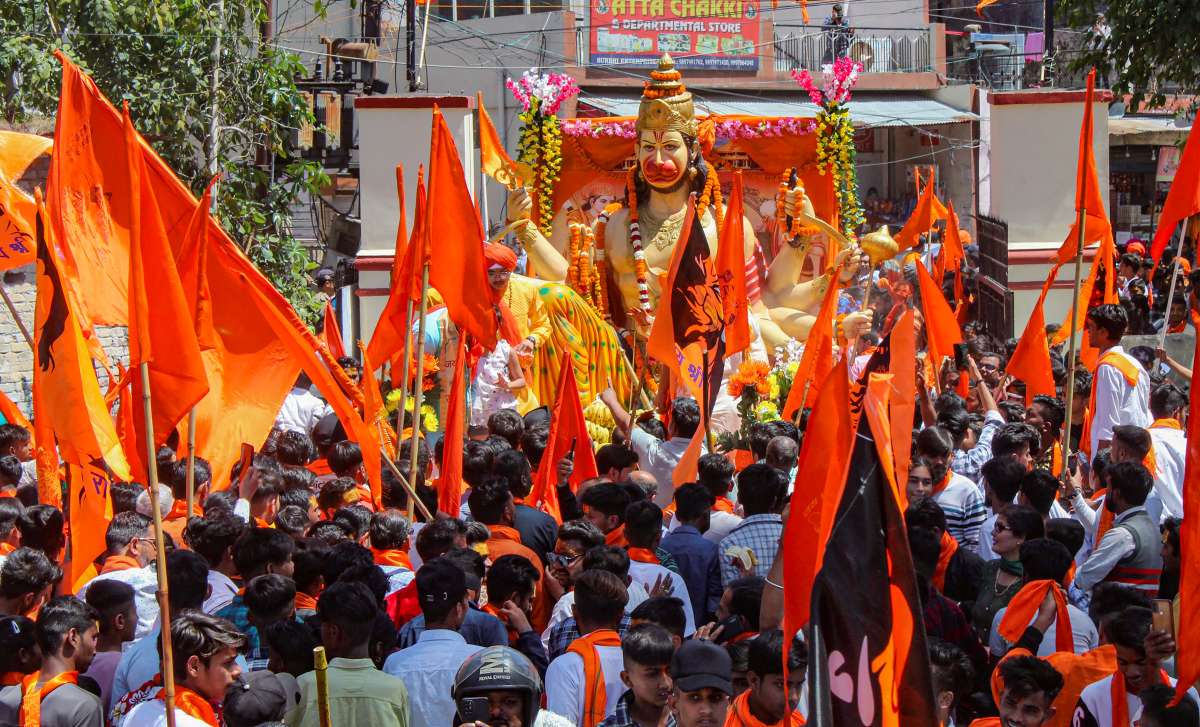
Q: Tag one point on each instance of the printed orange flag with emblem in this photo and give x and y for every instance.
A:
(731, 272)
(162, 329)
(458, 270)
(1087, 186)
(16, 226)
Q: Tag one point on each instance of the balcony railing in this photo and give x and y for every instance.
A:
(880, 50)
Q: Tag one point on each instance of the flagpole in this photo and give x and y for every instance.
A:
(1162, 335)
(418, 389)
(12, 310)
(408, 313)
(412, 493)
(1070, 385)
(168, 672)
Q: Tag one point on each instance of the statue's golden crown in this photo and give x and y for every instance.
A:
(666, 103)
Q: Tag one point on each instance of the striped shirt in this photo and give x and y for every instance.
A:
(963, 503)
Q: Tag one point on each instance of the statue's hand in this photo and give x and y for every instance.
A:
(520, 205)
(854, 258)
(796, 199)
(855, 325)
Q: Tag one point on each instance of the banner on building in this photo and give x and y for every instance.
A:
(718, 35)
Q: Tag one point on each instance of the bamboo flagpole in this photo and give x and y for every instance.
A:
(412, 493)
(1162, 335)
(12, 310)
(168, 673)
(320, 667)
(418, 390)
(1070, 385)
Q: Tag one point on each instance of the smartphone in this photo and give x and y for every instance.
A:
(731, 628)
(961, 353)
(247, 460)
(571, 451)
(1164, 616)
(475, 709)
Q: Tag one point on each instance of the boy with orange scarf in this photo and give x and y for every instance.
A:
(66, 632)
(585, 684)
(647, 649)
(770, 699)
(204, 659)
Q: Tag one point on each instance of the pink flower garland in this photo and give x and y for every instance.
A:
(727, 130)
(839, 79)
(551, 89)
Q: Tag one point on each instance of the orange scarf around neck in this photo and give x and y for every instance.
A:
(392, 556)
(939, 487)
(6, 548)
(1129, 370)
(305, 602)
(114, 563)
(949, 546)
(739, 715)
(9, 678)
(192, 704)
(31, 701)
(724, 504)
(1166, 423)
(1120, 704)
(504, 532)
(595, 693)
(616, 537)
(643, 555)
(179, 509)
(1024, 606)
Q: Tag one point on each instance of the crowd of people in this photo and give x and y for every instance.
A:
(1048, 583)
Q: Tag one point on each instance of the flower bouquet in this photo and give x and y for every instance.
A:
(540, 145)
(835, 134)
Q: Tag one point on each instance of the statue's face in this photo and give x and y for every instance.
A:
(663, 158)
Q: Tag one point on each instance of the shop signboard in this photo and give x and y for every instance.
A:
(1168, 163)
(715, 35)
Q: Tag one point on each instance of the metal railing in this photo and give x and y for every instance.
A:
(880, 50)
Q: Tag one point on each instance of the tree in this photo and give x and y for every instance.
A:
(159, 55)
(1152, 49)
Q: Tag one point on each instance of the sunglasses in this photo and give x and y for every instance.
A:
(562, 559)
(1001, 527)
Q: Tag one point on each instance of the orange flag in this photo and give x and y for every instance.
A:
(388, 337)
(19, 150)
(12, 414)
(162, 330)
(568, 433)
(330, 333)
(1187, 634)
(67, 397)
(1095, 221)
(903, 404)
(1030, 361)
(192, 265)
(951, 255)
(929, 209)
(16, 226)
(941, 327)
(450, 484)
(1183, 200)
(979, 6)
(817, 360)
(374, 412)
(87, 194)
(90, 511)
(494, 160)
(458, 270)
(731, 272)
(820, 480)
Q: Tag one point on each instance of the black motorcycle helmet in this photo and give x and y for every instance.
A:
(500, 668)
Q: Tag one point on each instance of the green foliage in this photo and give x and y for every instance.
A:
(1153, 50)
(158, 55)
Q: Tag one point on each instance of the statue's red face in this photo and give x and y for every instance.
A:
(663, 157)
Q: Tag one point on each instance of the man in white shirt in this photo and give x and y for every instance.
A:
(1137, 669)
(207, 649)
(643, 531)
(584, 684)
(130, 542)
(1120, 386)
(301, 408)
(655, 456)
(1167, 404)
(428, 667)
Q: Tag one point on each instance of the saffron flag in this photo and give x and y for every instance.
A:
(90, 511)
(416, 255)
(18, 151)
(16, 226)
(68, 400)
(374, 412)
(941, 326)
(450, 484)
(330, 333)
(865, 603)
(1183, 199)
(162, 330)
(1087, 187)
(824, 457)
(568, 433)
(979, 6)
(493, 159)
(458, 270)
(817, 360)
(929, 209)
(1187, 635)
(87, 195)
(388, 337)
(12, 414)
(1030, 362)
(731, 272)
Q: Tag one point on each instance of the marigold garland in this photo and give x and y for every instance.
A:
(540, 144)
